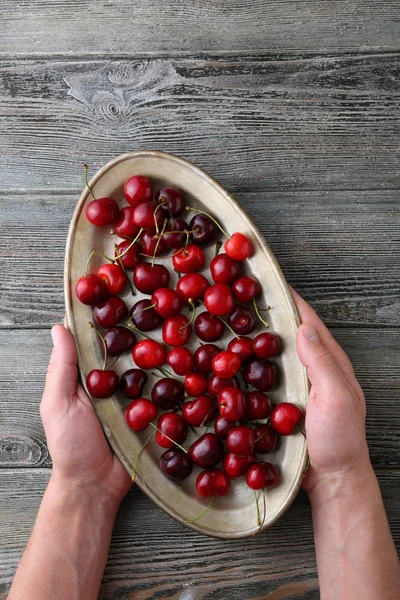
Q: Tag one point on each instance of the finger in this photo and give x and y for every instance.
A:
(62, 372)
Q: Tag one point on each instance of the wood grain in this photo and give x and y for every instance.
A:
(256, 124)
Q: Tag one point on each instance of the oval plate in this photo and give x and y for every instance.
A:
(232, 516)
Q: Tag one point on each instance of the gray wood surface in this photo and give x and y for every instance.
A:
(294, 107)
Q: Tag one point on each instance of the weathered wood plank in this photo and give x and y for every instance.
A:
(24, 355)
(256, 124)
(339, 249)
(116, 27)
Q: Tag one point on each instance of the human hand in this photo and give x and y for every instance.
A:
(80, 453)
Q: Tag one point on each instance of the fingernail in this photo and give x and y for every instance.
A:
(54, 336)
(310, 333)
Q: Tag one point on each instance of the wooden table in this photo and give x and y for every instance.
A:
(294, 107)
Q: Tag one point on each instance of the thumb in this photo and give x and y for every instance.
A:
(322, 368)
(62, 373)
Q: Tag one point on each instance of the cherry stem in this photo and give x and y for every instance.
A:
(158, 242)
(139, 455)
(167, 373)
(257, 509)
(217, 248)
(204, 421)
(121, 264)
(137, 312)
(104, 344)
(91, 256)
(154, 215)
(168, 438)
(264, 510)
(201, 212)
(302, 432)
(258, 314)
(130, 245)
(86, 168)
(192, 304)
(113, 362)
(229, 327)
(203, 513)
(134, 328)
(261, 436)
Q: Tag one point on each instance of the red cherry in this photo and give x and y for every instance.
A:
(226, 364)
(174, 235)
(109, 312)
(144, 317)
(266, 345)
(212, 482)
(167, 393)
(242, 320)
(148, 354)
(172, 199)
(102, 212)
(222, 427)
(137, 189)
(246, 288)
(174, 426)
(243, 347)
(102, 384)
(206, 451)
(203, 357)
(129, 257)
(258, 406)
(192, 286)
(90, 289)
(203, 230)
(148, 278)
(260, 373)
(125, 226)
(188, 259)
(224, 269)
(208, 327)
(238, 247)
(119, 339)
(199, 411)
(114, 278)
(175, 463)
(140, 413)
(176, 330)
(133, 382)
(262, 475)
(218, 299)
(166, 302)
(151, 245)
(180, 360)
(195, 384)
(145, 216)
(241, 440)
(266, 439)
(235, 466)
(216, 384)
(232, 404)
(285, 417)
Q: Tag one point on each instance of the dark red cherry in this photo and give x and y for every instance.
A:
(243, 347)
(266, 345)
(176, 464)
(246, 288)
(208, 327)
(90, 289)
(206, 451)
(235, 466)
(192, 286)
(129, 255)
(195, 384)
(148, 278)
(167, 393)
(218, 300)
(109, 312)
(145, 216)
(222, 427)
(137, 189)
(238, 247)
(176, 330)
(189, 259)
(241, 440)
(216, 384)
(266, 439)
(125, 226)
(232, 404)
(140, 413)
(143, 317)
(166, 302)
(174, 427)
(171, 199)
(102, 384)
(119, 339)
(258, 406)
(148, 354)
(224, 269)
(203, 357)
(151, 245)
(200, 411)
(180, 360)
(212, 482)
(226, 364)
(102, 212)
(260, 373)
(203, 230)
(285, 417)
(242, 320)
(133, 382)
(174, 236)
(262, 475)
(114, 278)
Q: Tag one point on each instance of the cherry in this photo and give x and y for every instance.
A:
(109, 312)
(243, 347)
(285, 417)
(226, 364)
(125, 226)
(266, 439)
(218, 299)
(192, 286)
(262, 475)
(195, 384)
(114, 278)
(222, 427)
(235, 466)
(203, 230)
(242, 320)
(129, 254)
(174, 427)
(146, 217)
(203, 357)
(133, 382)
(166, 302)
(102, 212)
(148, 354)
(180, 360)
(167, 393)
(151, 245)
(144, 316)
(102, 383)
(188, 259)
(206, 451)
(174, 236)
(176, 330)
(148, 278)
(232, 404)
(260, 373)
(224, 269)
(216, 384)
(199, 411)
(176, 464)
(172, 199)
(258, 406)
(266, 345)
(241, 440)
(238, 247)
(208, 327)
(246, 288)
(140, 413)
(119, 339)
(90, 289)
(212, 482)
(137, 189)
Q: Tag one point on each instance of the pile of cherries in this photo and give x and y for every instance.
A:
(212, 387)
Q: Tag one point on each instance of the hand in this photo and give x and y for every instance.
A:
(80, 453)
(335, 418)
